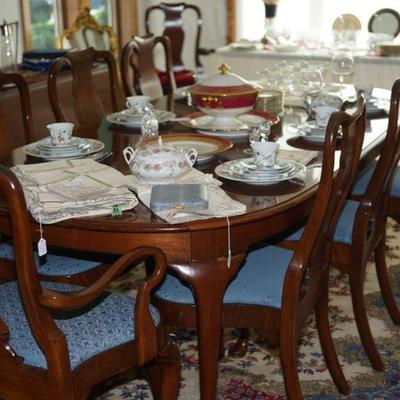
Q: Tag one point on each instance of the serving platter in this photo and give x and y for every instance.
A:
(205, 123)
(207, 146)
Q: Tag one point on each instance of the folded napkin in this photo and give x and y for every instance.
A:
(59, 190)
(302, 156)
(219, 203)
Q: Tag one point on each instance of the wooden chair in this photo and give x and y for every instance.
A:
(88, 107)
(85, 32)
(139, 75)
(173, 24)
(58, 340)
(58, 265)
(276, 288)
(6, 136)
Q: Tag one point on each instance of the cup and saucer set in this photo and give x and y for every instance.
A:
(262, 169)
(61, 145)
(133, 114)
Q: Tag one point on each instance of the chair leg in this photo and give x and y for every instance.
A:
(239, 348)
(288, 356)
(165, 373)
(356, 279)
(384, 283)
(327, 344)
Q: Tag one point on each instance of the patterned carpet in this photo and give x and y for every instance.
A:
(258, 376)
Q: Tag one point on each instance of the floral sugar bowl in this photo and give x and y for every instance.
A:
(159, 163)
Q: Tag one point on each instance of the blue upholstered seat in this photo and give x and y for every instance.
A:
(344, 227)
(365, 175)
(259, 281)
(106, 323)
(53, 264)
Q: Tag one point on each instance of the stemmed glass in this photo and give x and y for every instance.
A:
(149, 125)
(259, 134)
(342, 65)
(310, 84)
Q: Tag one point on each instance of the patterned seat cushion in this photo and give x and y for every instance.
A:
(53, 264)
(103, 324)
(344, 227)
(259, 281)
(365, 175)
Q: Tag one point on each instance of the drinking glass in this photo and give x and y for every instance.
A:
(310, 84)
(149, 125)
(259, 134)
(342, 65)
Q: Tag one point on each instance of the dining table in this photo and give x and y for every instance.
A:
(197, 252)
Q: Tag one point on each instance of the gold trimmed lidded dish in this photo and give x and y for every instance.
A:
(224, 96)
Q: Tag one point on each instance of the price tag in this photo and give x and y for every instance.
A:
(116, 211)
(42, 247)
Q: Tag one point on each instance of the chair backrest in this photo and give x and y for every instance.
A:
(377, 193)
(311, 256)
(87, 104)
(139, 75)
(85, 32)
(6, 134)
(173, 24)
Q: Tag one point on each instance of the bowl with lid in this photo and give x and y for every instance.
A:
(224, 96)
(159, 163)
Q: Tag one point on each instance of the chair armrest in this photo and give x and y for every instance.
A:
(205, 52)
(70, 300)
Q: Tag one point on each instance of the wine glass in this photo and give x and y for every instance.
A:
(342, 65)
(259, 134)
(149, 125)
(310, 83)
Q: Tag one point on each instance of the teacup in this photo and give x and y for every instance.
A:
(60, 132)
(322, 115)
(367, 88)
(136, 104)
(265, 153)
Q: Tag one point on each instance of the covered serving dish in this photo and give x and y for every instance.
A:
(159, 162)
(224, 96)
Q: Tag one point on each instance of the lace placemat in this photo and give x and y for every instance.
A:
(219, 203)
(59, 190)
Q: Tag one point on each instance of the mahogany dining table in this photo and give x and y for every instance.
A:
(197, 251)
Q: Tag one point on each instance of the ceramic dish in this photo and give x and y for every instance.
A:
(119, 118)
(287, 48)
(86, 147)
(205, 123)
(207, 147)
(234, 170)
(243, 44)
(386, 21)
(346, 22)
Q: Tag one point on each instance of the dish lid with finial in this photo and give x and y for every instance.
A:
(224, 84)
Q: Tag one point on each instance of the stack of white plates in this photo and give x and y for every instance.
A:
(312, 131)
(76, 148)
(245, 170)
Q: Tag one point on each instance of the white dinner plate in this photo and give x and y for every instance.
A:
(120, 119)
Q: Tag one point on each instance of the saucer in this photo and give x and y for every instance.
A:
(132, 115)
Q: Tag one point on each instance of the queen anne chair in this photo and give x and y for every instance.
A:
(88, 107)
(58, 340)
(173, 29)
(276, 288)
(86, 32)
(57, 265)
(139, 75)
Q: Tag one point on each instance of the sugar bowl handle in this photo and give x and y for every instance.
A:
(128, 153)
(191, 156)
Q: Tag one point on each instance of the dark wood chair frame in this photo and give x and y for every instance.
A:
(88, 106)
(173, 29)
(25, 101)
(138, 71)
(306, 282)
(150, 348)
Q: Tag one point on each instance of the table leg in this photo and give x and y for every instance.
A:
(209, 280)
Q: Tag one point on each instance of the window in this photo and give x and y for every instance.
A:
(101, 11)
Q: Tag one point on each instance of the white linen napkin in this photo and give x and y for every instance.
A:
(302, 156)
(219, 203)
(59, 190)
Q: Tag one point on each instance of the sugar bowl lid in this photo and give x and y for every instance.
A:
(224, 82)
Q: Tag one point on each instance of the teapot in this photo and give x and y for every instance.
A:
(159, 162)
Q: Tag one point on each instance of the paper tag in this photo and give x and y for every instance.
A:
(116, 211)
(42, 247)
